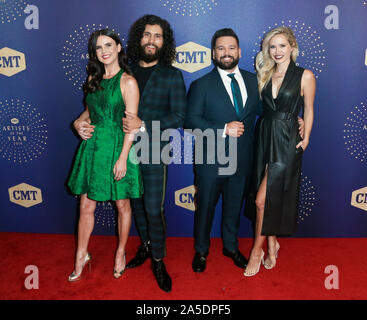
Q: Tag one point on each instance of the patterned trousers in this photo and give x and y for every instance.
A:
(148, 210)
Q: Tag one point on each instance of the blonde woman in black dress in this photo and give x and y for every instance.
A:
(285, 90)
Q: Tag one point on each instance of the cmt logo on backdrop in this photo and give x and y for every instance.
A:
(185, 198)
(11, 62)
(25, 195)
(192, 57)
(359, 199)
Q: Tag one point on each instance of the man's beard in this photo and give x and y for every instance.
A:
(226, 65)
(150, 57)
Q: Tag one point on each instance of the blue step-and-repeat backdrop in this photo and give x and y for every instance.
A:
(43, 54)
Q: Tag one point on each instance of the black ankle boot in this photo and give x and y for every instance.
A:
(163, 279)
(144, 252)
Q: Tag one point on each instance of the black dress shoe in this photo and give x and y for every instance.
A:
(163, 279)
(237, 257)
(199, 262)
(144, 252)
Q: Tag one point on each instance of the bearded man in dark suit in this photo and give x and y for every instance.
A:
(225, 100)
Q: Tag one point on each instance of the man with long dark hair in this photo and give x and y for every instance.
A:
(151, 50)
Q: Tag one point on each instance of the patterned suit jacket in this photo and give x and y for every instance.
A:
(163, 100)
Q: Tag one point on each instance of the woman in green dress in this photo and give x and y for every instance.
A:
(105, 167)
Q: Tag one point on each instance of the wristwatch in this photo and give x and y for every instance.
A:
(142, 128)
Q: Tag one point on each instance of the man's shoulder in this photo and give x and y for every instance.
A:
(248, 74)
(170, 70)
(162, 68)
(205, 78)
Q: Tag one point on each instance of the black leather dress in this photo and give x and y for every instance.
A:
(276, 137)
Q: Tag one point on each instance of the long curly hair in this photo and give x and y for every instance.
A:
(265, 65)
(168, 54)
(95, 68)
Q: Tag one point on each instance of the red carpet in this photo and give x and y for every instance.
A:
(299, 273)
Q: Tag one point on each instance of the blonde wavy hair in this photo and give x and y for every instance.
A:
(265, 65)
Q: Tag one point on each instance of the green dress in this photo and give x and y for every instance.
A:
(92, 171)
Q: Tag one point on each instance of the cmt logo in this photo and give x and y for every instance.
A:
(192, 57)
(185, 198)
(11, 61)
(359, 199)
(25, 195)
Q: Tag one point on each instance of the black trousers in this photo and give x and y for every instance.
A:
(209, 189)
(148, 210)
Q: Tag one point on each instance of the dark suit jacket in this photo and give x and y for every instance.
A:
(209, 106)
(163, 99)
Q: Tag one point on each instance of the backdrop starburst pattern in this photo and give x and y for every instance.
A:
(75, 53)
(312, 53)
(183, 149)
(105, 214)
(307, 198)
(355, 132)
(10, 10)
(190, 7)
(23, 136)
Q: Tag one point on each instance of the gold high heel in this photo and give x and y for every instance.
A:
(246, 274)
(118, 274)
(269, 266)
(87, 261)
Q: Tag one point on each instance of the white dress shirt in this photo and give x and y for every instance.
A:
(227, 84)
